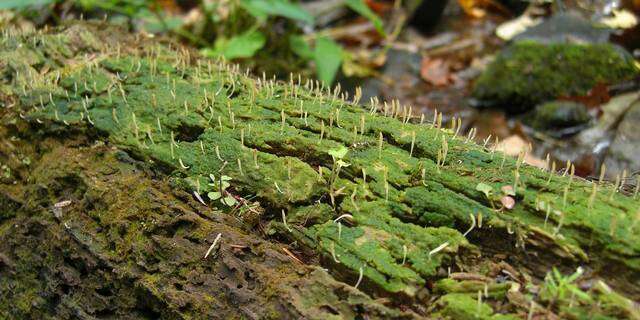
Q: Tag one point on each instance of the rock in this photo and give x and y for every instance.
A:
(402, 68)
(527, 73)
(559, 118)
(623, 152)
(597, 138)
(567, 27)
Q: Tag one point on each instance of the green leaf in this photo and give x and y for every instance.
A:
(242, 46)
(484, 188)
(214, 195)
(300, 46)
(152, 23)
(261, 9)
(230, 201)
(19, 4)
(328, 57)
(338, 153)
(580, 294)
(342, 164)
(362, 9)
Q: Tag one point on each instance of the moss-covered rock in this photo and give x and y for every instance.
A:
(558, 117)
(527, 73)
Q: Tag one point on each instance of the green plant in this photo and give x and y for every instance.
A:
(558, 288)
(337, 155)
(220, 190)
(235, 29)
(326, 54)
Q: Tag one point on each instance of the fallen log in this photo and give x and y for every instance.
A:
(162, 184)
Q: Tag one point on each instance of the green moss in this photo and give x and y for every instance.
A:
(527, 73)
(471, 287)
(464, 307)
(310, 215)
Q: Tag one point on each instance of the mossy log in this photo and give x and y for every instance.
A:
(112, 144)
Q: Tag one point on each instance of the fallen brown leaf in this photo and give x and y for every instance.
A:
(435, 71)
(512, 146)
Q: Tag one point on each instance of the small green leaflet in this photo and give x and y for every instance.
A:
(229, 201)
(328, 57)
(362, 9)
(484, 188)
(241, 46)
(338, 153)
(214, 195)
(261, 9)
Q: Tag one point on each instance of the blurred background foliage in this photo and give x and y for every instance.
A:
(432, 55)
(276, 37)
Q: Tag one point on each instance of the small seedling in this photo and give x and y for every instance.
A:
(380, 141)
(438, 249)
(218, 153)
(615, 187)
(135, 125)
(360, 274)
(473, 224)
(255, 158)
(198, 197)
(284, 221)
(413, 142)
(337, 155)
(558, 288)
(342, 217)
(240, 167)
(333, 252)
(220, 191)
(213, 245)
(404, 254)
(182, 164)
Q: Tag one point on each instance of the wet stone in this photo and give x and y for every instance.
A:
(559, 118)
(623, 152)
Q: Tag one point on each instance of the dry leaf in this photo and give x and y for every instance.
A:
(620, 19)
(435, 71)
(473, 8)
(512, 146)
(597, 96)
(508, 190)
(511, 28)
